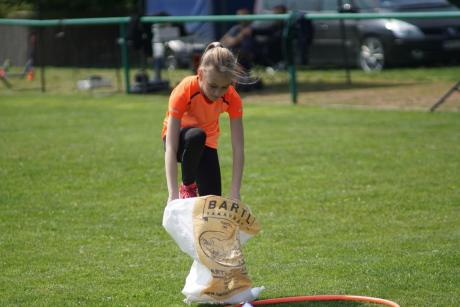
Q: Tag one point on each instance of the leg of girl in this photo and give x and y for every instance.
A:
(191, 145)
(208, 175)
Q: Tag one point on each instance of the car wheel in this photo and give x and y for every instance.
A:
(371, 55)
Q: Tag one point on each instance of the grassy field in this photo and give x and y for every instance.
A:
(351, 201)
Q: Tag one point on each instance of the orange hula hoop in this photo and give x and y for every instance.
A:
(355, 298)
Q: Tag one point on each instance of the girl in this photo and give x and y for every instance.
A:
(191, 127)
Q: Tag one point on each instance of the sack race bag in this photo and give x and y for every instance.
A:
(212, 229)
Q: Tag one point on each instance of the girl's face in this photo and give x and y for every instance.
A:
(213, 83)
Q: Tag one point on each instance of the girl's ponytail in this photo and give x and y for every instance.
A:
(216, 56)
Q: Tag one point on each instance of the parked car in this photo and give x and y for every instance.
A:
(183, 52)
(373, 44)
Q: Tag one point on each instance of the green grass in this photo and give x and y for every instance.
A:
(359, 202)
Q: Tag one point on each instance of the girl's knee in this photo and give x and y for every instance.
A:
(197, 136)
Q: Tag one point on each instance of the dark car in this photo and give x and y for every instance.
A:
(376, 43)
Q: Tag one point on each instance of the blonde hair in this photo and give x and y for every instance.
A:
(217, 57)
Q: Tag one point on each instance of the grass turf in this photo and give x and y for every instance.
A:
(351, 202)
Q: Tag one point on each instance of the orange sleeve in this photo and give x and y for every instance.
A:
(178, 100)
(235, 108)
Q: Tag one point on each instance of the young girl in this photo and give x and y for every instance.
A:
(191, 127)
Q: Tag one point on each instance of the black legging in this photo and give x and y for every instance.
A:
(199, 162)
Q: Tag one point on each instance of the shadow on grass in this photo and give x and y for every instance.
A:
(283, 87)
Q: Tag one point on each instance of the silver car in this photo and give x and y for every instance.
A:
(373, 44)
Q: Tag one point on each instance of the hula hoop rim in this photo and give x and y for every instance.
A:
(326, 297)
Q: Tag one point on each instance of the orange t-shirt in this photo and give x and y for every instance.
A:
(189, 104)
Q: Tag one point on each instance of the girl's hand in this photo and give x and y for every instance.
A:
(170, 198)
(173, 195)
(235, 196)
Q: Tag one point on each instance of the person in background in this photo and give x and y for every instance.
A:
(268, 38)
(258, 42)
(240, 41)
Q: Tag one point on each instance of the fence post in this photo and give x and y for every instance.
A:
(124, 56)
(289, 55)
(41, 52)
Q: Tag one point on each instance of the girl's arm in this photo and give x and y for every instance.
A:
(172, 145)
(237, 131)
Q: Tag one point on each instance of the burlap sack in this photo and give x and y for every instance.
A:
(212, 229)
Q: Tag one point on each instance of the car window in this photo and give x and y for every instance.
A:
(264, 6)
(329, 5)
(403, 2)
(304, 5)
(332, 5)
(367, 4)
(416, 4)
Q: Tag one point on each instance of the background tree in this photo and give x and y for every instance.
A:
(8, 7)
(72, 9)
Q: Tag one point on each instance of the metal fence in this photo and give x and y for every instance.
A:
(291, 68)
